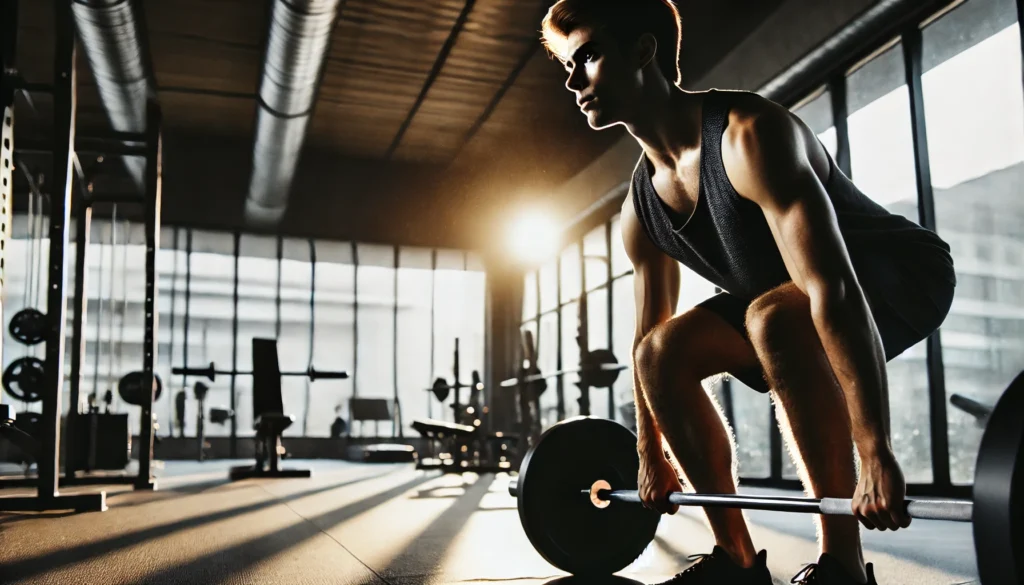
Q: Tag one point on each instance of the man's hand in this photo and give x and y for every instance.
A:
(657, 478)
(878, 501)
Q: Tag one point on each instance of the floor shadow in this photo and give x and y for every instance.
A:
(225, 565)
(430, 545)
(37, 565)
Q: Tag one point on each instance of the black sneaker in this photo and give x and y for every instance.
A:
(829, 571)
(719, 568)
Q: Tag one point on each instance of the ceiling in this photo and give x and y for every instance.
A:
(434, 117)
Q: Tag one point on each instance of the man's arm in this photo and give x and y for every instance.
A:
(656, 290)
(767, 156)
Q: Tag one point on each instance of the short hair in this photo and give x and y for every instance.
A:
(624, 20)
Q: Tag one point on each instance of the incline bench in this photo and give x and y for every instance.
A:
(269, 419)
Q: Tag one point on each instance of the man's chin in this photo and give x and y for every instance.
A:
(598, 121)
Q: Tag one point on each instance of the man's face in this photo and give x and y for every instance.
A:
(600, 76)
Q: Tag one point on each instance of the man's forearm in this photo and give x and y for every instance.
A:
(851, 342)
(648, 436)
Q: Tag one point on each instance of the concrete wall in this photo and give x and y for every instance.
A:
(795, 28)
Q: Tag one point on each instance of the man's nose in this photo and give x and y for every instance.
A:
(575, 81)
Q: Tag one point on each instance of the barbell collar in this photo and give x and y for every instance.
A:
(948, 510)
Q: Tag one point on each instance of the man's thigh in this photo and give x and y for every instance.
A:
(706, 342)
(731, 312)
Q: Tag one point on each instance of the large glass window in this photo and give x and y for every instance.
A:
(570, 357)
(171, 264)
(547, 361)
(549, 286)
(595, 256)
(258, 280)
(375, 349)
(816, 112)
(459, 314)
(974, 111)
(882, 161)
(333, 334)
(414, 343)
(571, 275)
(530, 296)
(623, 330)
(211, 306)
(293, 349)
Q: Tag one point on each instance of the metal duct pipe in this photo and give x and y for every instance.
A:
(112, 42)
(300, 31)
(883, 19)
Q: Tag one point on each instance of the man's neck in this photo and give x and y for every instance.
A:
(667, 124)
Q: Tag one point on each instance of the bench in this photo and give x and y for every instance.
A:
(269, 417)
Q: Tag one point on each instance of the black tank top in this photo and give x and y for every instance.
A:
(727, 240)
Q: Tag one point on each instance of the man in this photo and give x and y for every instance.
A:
(823, 287)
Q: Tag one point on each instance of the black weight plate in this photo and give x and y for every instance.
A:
(599, 378)
(999, 492)
(24, 379)
(28, 326)
(441, 389)
(561, 523)
(132, 391)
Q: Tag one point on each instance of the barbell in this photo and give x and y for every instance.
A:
(597, 369)
(576, 495)
(210, 372)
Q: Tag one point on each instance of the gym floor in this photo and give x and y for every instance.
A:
(376, 524)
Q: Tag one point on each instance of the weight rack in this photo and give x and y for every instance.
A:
(148, 145)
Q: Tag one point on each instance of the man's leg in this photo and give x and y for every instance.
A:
(671, 362)
(813, 416)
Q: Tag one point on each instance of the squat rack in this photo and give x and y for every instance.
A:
(148, 145)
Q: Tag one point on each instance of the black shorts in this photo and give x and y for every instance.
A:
(908, 302)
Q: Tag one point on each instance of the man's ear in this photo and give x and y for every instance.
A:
(645, 49)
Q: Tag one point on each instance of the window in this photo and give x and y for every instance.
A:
(459, 284)
(257, 314)
(547, 361)
(529, 296)
(415, 342)
(571, 273)
(210, 337)
(623, 328)
(549, 286)
(882, 161)
(971, 59)
(620, 261)
(816, 112)
(375, 318)
(333, 334)
(171, 263)
(595, 256)
(293, 343)
(570, 358)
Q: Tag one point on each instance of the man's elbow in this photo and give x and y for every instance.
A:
(831, 297)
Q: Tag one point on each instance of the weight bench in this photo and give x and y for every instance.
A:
(270, 420)
(443, 432)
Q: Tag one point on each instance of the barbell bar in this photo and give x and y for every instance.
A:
(210, 372)
(601, 494)
(570, 482)
(599, 369)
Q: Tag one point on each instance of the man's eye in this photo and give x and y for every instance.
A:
(589, 56)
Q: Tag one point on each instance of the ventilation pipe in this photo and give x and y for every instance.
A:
(300, 31)
(112, 42)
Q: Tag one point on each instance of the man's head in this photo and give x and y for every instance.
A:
(608, 47)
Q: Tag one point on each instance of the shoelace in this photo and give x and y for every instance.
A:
(806, 575)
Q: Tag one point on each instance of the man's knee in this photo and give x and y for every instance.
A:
(778, 315)
(652, 348)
